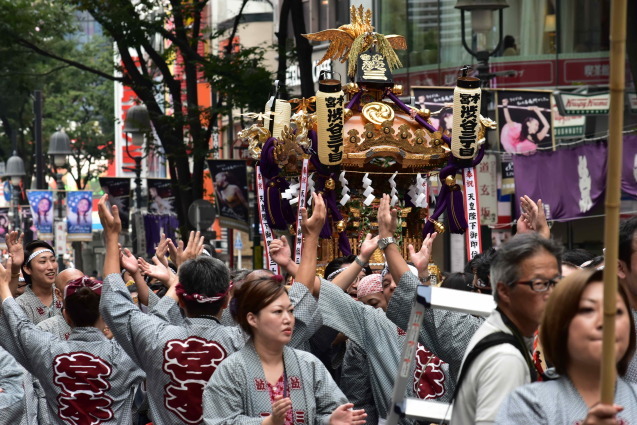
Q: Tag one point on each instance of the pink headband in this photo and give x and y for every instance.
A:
(83, 282)
(202, 299)
(370, 284)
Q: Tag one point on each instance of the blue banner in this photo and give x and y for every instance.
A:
(79, 208)
(41, 202)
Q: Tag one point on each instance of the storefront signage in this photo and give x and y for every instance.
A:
(583, 104)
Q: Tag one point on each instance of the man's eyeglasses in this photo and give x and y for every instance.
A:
(540, 285)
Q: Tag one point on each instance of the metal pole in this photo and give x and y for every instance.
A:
(39, 158)
(138, 182)
(60, 186)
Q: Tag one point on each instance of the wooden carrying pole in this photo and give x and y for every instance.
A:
(613, 180)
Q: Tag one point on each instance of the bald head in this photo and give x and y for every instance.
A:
(65, 276)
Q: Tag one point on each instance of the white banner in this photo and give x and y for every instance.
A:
(265, 228)
(301, 203)
(487, 190)
(472, 207)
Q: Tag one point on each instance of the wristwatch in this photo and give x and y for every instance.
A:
(360, 262)
(383, 242)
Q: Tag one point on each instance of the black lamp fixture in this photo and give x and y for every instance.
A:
(59, 148)
(137, 125)
(15, 169)
(481, 22)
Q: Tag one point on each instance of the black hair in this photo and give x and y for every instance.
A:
(459, 281)
(576, 257)
(627, 231)
(83, 307)
(28, 250)
(481, 265)
(206, 276)
(338, 263)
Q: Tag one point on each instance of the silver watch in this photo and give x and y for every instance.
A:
(383, 242)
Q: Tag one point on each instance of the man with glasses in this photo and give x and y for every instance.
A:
(523, 272)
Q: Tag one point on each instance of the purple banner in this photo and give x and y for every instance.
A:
(629, 166)
(571, 182)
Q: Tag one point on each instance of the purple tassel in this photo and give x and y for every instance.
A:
(355, 99)
(420, 120)
(343, 244)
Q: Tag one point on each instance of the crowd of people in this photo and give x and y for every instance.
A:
(220, 346)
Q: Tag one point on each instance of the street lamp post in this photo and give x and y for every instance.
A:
(15, 171)
(137, 125)
(482, 22)
(59, 150)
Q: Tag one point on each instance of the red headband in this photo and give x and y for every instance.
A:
(83, 282)
(201, 298)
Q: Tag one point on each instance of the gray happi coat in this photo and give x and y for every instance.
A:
(382, 341)
(558, 403)
(87, 379)
(238, 392)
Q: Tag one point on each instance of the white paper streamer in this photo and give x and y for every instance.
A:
(291, 192)
(345, 191)
(310, 188)
(393, 193)
(369, 190)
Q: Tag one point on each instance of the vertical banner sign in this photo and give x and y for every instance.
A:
(230, 181)
(161, 199)
(329, 113)
(265, 228)
(301, 203)
(472, 206)
(487, 190)
(79, 209)
(26, 221)
(4, 226)
(118, 191)
(524, 119)
(41, 202)
(466, 110)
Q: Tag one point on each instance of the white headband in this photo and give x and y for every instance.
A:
(334, 274)
(36, 253)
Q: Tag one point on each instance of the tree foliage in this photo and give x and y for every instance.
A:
(164, 53)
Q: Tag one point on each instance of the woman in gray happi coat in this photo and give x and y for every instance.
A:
(571, 336)
(267, 382)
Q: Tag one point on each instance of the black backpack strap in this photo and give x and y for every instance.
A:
(485, 343)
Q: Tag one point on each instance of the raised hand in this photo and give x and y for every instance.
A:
(179, 255)
(109, 218)
(157, 271)
(421, 258)
(601, 414)
(368, 247)
(16, 250)
(533, 217)
(344, 415)
(128, 261)
(311, 226)
(280, 252)
(387, 218)
(162, 249)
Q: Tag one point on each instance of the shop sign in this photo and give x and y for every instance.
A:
(583, 104)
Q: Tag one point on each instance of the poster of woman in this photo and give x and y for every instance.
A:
(231, 192)
(160, 197)
(524, 119)
(41, 202)
(79, 208)
(118, 191)
(4, 226)
(438, 100)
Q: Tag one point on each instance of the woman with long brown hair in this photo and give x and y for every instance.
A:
(267, 382)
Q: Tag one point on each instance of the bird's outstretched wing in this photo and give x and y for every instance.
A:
(340, 43)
